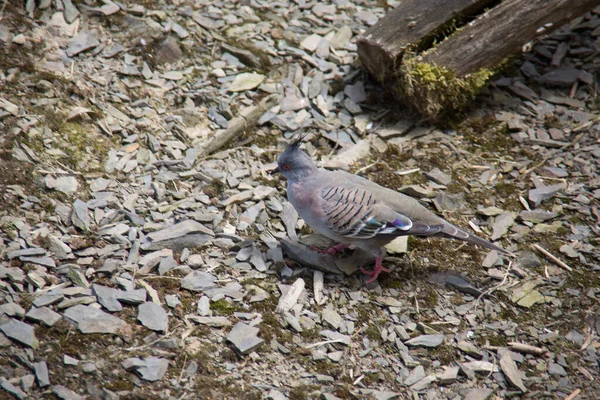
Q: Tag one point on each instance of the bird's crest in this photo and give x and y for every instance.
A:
(295, 145)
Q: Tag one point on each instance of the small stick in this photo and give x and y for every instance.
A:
(573, 394)
(551, 257)
(310, 346)
(524, 203)
(527, 348)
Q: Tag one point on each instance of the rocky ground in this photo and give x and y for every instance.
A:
(147, 253)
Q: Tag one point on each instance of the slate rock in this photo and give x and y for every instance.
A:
(41, 373)
(43, 314)
(539, 195)
(82, 42)
(12, 389)
(153, 316)
(20, 332)
(244, 338)
(564, 77)
(66, 394)
(197, 281)
(478, 394)
(80, 216)
(107, 297)
(512, 373)
(150, 369)
(528, 259)
(426, 341)
(136, 296)
(92, 320)
(48, 299)
(556, 369)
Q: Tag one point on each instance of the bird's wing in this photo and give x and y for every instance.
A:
(353, 211)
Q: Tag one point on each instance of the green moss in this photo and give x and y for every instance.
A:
(299, 393)
(223, 307)
(445, 354)
(436, 91)
(372, 333)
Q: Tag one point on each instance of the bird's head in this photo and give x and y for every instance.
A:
(293, 163)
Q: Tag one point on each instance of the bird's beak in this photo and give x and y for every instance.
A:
(274, 171)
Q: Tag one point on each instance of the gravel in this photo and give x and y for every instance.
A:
(146, 251)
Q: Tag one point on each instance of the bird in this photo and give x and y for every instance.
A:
(352, 210)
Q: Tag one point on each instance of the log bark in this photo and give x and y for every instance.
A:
(402, 53)
(502, 32)
(409, 25)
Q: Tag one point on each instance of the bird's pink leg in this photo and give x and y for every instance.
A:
(338, 248)
(376, 271)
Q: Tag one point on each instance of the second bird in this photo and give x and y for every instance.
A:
(352, 210)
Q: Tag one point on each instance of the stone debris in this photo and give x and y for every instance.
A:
(244, 338)
(153, 316)
(20, 332)
(93, 320)
(150, 368)
(140, 226)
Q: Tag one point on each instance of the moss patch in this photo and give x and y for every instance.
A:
(434, 90)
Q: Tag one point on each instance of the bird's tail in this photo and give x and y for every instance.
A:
(450, 231)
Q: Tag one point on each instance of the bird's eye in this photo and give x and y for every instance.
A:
(287, 167)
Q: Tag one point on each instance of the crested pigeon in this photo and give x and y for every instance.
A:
(355, 211)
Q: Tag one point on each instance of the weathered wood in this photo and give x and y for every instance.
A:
(443, 78)
(381, 47)
(502, 32)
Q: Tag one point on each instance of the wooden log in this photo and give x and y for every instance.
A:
(413, 24)
(503, 31)
(440, 80)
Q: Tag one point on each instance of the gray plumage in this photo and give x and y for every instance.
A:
(353, 210)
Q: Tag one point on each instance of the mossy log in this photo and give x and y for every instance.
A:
(438, 54)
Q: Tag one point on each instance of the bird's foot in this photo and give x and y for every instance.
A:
(338, 248)
(376, 271)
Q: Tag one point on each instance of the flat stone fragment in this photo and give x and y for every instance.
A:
(41, 373)
(354, 154)
(43, 314)
(20, 332)
(66, 394)
(537, 216)
(179, 230)
(197, 281)
(426, 341)
(66, 184)
(333, 335)
(512, 373)
(438, 176)
(82, 42)
(331, 316)
(501, 225)
(244, 338)
(137, 296)
(246, 81)
(12, 389)
(397, 246)
(415, 375)
(32, 251)
(310, 258)
(215, 322)
(151, 368)
(92, 320)
(556, 369)
(80, 217)
(48, 299)
(153, 316)
(12, 310)
(478, 394)
(107, 296)
(537, 196)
